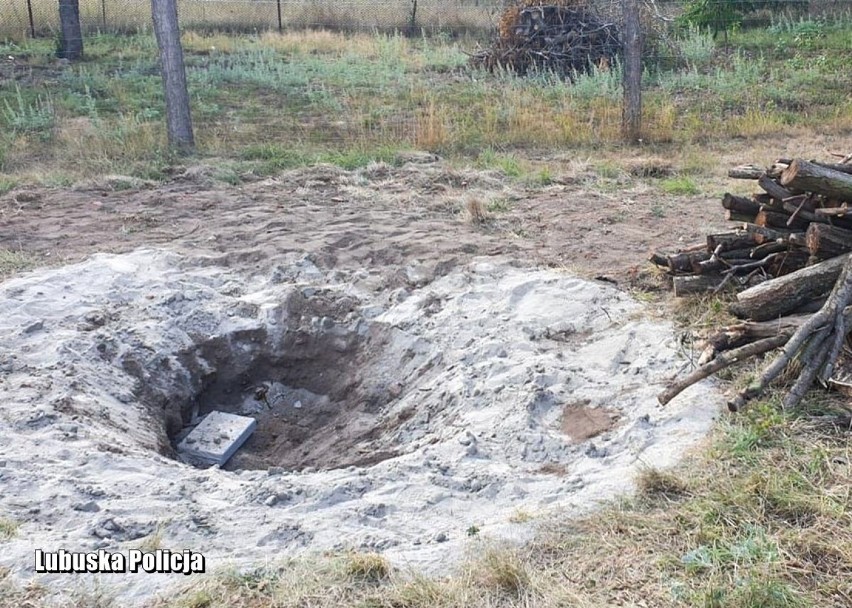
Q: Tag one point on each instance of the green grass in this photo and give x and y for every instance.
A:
(679, 185)
(13, 262)
(508, 164)
(279, 101)
(6, 184)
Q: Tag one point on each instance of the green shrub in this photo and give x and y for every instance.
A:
(38, 117)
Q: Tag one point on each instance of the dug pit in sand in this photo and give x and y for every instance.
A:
(389, 420)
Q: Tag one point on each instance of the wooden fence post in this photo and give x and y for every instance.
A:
(632, 111)
(178, 117)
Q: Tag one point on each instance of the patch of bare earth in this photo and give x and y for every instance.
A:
(379, 216)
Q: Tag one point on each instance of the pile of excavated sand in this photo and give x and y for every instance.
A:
(387, 421)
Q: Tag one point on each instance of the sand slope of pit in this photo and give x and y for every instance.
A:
(452, 402)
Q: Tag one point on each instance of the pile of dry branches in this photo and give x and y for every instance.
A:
(565, 37)
(792, 260)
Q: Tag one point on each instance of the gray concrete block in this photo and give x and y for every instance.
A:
(217, 437)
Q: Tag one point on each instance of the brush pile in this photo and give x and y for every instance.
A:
(790, 259)
(565, 37)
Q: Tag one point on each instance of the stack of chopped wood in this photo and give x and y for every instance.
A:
(800, 217)
(797, 236)
(565, 37)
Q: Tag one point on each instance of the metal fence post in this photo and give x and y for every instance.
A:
(280, 23)
(103, 13)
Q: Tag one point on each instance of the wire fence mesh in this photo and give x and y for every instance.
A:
(40, 18)
(18, 17)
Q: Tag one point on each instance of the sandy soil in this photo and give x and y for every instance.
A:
(418, 373)
(378, 216)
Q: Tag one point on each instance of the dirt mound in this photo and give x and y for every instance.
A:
(387, 419)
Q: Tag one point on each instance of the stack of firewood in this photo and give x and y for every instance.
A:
(800, 218)
(792, 256)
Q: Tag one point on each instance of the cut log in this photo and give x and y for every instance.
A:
(790, 261)
(777, 169)
(804, 202)
(767, 202)
(810, 177)
(746, 172)
(811, 307)
(659, 259)
(730, 241)
(765, 235)
(734, 216)
(723, 262)
(734, 336)
(826, 241)
(798, 210)
(774, 219)
(797, 239)
(774, 189)
(687, 262)
(689, 285)
(777, 297)
(753, 253)
(842, 167)
(740, 204)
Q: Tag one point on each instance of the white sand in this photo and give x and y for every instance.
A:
(483, 362)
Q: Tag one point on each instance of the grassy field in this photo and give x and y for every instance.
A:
(269, 101)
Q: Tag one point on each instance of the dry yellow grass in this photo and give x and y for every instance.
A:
(249, 16)
(475, 211)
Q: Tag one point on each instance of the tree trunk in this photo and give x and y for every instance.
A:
(777, 297)
(70, 34)
(810, 177)
(178, 117)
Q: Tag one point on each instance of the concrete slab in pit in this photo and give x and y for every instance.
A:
(217, 437)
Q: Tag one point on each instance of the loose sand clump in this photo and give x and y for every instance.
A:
(389, 420)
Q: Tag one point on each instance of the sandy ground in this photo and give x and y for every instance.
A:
(379, 216)
(421, 374)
